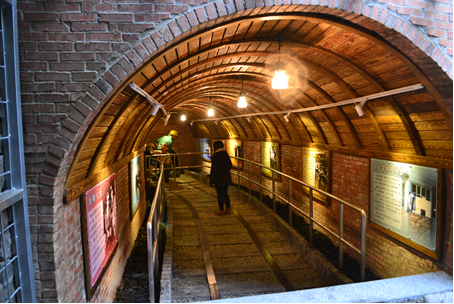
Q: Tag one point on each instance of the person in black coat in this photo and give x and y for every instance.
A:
(220, 176)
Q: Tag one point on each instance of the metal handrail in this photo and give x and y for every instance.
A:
(153, 232)
(339, 236)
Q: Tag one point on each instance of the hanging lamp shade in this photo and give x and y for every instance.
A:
(210, 112)
(242, 101)
(183, 117)
(280, 80)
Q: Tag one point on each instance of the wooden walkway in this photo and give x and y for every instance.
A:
(228, 256)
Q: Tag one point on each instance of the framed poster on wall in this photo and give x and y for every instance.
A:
(205, 148)
(135, 184)
(404, 203)
(317, 172)
(233, 148)
(270, 157)
(99, 227)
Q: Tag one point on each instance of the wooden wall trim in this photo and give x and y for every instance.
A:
(400, 157)
(79, 188)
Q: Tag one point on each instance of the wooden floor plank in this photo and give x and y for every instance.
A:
(231, 269)
(225, 241)
(233, 253)
(230, 246)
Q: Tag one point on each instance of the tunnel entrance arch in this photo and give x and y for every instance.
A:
(120, 123)
(439, 90)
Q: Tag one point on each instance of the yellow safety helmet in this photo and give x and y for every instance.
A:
(174, 132)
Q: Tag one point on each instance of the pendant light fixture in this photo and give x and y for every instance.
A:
(242, 101)
(210, 110)
(280, 80)
(183, 115)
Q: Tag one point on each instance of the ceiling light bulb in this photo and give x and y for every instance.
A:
(183, 117)
(280, 80)
(242, 101)
(210, 112)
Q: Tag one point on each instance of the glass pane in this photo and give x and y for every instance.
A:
(1, 49)
(16, 281)
(12, 277)
(3, 121)
(7, 218)
(5, 180)
(13, 246)
(8, 256)
(4, 294)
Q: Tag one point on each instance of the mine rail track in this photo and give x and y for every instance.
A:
(229, 256)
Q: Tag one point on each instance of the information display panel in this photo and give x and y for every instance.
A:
(135, 183)
(99, 215)
(316, 171)
(233, 148)
(404, 201)
(205, 148)
(270, 157)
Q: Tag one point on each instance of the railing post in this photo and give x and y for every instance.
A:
(290, 209)
(311, 215)
(274, 197)
(341, 236)
(238, 170)
(173, 169)
(156, 172)
(157, 217)
(261, 193)
(150, 262)
(249, 184)
(363, 246)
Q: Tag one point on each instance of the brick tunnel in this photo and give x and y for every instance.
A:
(369, 87)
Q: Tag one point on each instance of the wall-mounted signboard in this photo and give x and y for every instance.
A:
(99, 226)
(316, 172)
(136, 185)
(233, 148)
(205, 148)
(404, 203)
(270, 157)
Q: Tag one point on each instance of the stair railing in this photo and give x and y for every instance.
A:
(339, 236)
(312, 219)
(153, 224)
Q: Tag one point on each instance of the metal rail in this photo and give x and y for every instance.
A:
(339, 236)
(153, 232)
(211, 277)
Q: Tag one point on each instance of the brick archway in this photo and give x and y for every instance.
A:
(388, 22)
(394, 24)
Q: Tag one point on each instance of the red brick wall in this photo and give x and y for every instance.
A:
(70, 275)
(350, 181)
(69, 48)
(251, 151)
(385, 256)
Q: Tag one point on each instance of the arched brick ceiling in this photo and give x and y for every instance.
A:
(327, 61)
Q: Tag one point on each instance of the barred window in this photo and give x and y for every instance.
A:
(16, 271)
